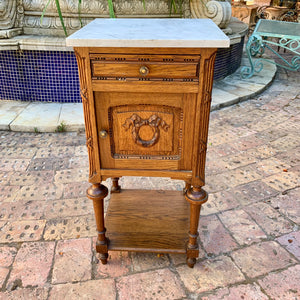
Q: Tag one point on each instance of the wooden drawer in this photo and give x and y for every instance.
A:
(145, 67)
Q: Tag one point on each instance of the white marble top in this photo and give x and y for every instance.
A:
(187, 33)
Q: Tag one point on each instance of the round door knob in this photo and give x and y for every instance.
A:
(144, 70)
(103, 134)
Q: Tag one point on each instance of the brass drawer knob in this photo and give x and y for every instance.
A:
(144, 70)
(103, 134)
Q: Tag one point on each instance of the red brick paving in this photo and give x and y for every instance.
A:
(160, 284)
(291, 242)
(27, 293)
(243, 228)
(214, 237)
(120, 265)
(262, 258)
(283, 285)
(103, 289)
(246, 292)
(74, 256)
(32, 265)
(210, 274)
(269, 219)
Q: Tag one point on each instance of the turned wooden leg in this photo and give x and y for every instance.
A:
(196, 196)
(186, 188)
(97, 192)
(115, 185)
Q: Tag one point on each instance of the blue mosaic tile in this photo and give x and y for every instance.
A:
(228, 60)
(39, 76)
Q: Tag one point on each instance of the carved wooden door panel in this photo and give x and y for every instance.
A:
(145, 130)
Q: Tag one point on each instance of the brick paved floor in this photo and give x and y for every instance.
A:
(249, 229)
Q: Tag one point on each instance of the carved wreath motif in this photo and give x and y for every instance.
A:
(136, 122)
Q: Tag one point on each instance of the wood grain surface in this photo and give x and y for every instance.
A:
(148, 221)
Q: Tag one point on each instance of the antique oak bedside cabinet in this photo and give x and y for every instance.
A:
(146, 91)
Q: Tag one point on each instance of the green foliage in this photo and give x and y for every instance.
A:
(111, 9)
(62, 127)
(79, 12)
(36, 130)
(59, 13)
(60, 16)
(44, 10)
(174, 6)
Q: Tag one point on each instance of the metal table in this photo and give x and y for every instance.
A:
(269, 34)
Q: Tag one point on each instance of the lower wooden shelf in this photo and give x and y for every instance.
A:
(148, 221)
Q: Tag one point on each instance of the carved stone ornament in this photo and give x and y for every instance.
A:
(90, 10)
(136, 122)
(8, 13)
(218, 11)
(20, 14)
(11, 15)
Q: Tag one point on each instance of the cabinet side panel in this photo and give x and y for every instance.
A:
(87, 102)
(202, 116)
